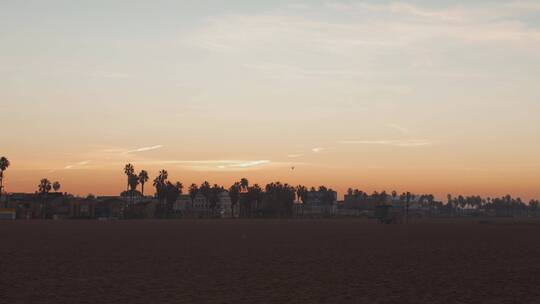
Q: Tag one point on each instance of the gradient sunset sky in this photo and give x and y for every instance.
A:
(423, 96)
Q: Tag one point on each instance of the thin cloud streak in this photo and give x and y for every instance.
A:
(295, 155)
(144, 149)
(396, 143)
(79, 164)
(211, 164)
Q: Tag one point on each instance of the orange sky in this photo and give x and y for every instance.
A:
(424, 97)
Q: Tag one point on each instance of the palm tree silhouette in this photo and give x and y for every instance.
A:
(163, 175)
(133, 181)
(56, 186)
(128, 170)
(44, 188)
(160, 183)
(244, 183)
(193, 189)
(143, 178)
(4, 164)
(301, 193)
(234, 193)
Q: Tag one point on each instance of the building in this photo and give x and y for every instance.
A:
(8, 213)
(202, 207)
(225, 205)
(110, 207)
(320, 203)
(357, 201)
(182, 204)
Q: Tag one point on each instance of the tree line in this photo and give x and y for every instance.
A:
(277, 199)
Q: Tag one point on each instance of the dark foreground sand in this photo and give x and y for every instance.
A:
(268, 261)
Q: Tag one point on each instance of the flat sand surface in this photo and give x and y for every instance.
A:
(269, 261)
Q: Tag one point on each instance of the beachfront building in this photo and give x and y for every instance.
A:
(225, 205)
(202, 207)
(320, 203)
(8, 213)
(182, 204)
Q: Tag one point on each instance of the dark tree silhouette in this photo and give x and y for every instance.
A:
(56, 186)
(205, 189)
(143, 178)
(193, 189)
(213, 200)
(244, 183)
(44, 188)
(234, 194)
(279, 199)
(133, 181)
(302, 193)
(128, 170)
(173, 191)
(254, 199)
(4, 164)
(160, 183)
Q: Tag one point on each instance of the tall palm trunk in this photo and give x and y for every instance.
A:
(2, 187)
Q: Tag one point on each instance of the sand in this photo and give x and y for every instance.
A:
(269, 261)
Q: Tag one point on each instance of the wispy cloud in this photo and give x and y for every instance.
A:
(396, 143)
(144, 149)
(118, 75)
(245, 164)
(398, 128)
(212, 165)
(357, 38)
(76, 165)
(297, 155)
(318, 149)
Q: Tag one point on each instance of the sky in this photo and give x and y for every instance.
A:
(423, 96)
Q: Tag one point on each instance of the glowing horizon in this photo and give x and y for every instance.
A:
(408, 96)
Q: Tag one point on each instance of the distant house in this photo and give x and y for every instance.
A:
(200, 203)
(8, 213)
(357, 201)
(225, 205)
(57, 205)
(82, 208)
(28, 205)
(110, 207)
(202, 207)
(182, 204)
(320, 203)
(36, 205)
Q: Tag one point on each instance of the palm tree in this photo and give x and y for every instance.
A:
(133, 182)
(172, 192)
(179, 186)
(234, 193)
(215, 191)
(143, 178)
(44, 188)
(163, 174)
(301, 193)
(128, 170)
(193, 189)
(244, 183)
(160, 182)
(4, 164)
(56, 186)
